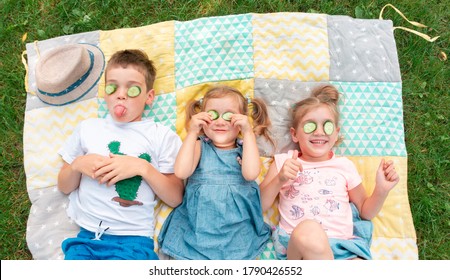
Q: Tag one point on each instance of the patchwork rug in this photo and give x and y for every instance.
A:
(279, 57)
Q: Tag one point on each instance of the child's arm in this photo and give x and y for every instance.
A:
(386, 179)
(168, 187)
(189, 154)
(251, 166)
(273, 181)
(270, 187)
(70, 174)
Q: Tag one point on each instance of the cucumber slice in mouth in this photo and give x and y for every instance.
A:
(134, 91)
(214, 115)
(309, 127)
(227, 116)
(110, 89)
(328, 127)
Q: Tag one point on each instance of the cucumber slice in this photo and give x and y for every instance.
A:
(110, 89)
(227, 116)
(328, 127)
(134, 91)
(214, 115)
(309, 127)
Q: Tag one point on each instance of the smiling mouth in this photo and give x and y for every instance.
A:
(318, 142)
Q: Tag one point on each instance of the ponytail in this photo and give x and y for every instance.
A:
(261, 120)
(192, 108)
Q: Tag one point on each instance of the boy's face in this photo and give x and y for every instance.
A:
(123, 107)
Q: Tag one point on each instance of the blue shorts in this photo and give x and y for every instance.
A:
(109, 247)
(343, 249)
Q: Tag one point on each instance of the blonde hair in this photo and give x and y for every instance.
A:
(260, 115)
(322, 95)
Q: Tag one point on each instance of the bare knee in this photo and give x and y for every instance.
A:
(310, 235)
(309, 241)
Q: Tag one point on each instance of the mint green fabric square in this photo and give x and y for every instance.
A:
(213, 49)
(371, 119)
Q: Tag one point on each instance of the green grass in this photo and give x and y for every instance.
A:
(425, 91)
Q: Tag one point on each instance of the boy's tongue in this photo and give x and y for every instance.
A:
(119, 110)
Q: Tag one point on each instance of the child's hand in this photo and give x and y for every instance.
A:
(241, 121)
(87, 164)
(117, 168)
(290, 168)
(198, 121)
(386, 177)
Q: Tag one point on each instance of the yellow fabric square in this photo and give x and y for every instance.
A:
(280, 53)
(45, 130)
(157, 40)
(394, 219)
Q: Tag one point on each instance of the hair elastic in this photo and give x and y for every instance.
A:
(249, 100)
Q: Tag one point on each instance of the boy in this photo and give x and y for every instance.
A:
(115, 167)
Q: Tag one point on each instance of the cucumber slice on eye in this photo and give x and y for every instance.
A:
(110, 89)
(214, 115)
(328, 127)
(309, 127)
(227, 116)
(134, 91)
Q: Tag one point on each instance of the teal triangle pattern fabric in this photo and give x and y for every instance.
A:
(164, 110)
(102, 108)
(269, 252)
(213, 49)
(371, 119)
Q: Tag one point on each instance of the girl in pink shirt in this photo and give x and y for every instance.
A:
(321, 194)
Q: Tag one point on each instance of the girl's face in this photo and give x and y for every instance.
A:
(220, 131)
(316, 145)
(126, 105)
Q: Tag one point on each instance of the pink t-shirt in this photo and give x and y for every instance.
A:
(320, 193)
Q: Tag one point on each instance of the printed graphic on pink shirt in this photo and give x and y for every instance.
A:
(319, 193)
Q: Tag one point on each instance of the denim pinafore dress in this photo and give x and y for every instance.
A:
(220, 217)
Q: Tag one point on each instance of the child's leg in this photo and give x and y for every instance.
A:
(309, 242)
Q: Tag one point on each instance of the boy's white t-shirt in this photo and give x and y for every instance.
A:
(319, 193)
(92, 203)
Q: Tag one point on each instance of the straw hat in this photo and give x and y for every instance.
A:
(67, 73)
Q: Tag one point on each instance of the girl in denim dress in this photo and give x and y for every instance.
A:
(221, 215)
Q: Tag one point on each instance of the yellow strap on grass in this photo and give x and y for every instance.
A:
(418, 24)
(25, 64)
